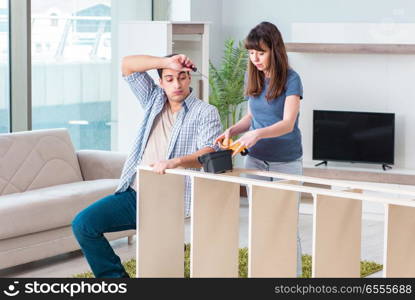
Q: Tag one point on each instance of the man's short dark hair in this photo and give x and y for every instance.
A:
(160, 71)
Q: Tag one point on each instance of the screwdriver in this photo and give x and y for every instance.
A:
(194, 69)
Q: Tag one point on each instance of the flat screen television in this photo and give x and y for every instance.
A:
(365, 137)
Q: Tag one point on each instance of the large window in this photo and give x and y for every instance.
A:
(71, 69)
(4, 68)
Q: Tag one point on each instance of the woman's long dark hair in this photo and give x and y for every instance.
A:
(267, 34)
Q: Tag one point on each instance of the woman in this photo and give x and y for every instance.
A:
(274, 91)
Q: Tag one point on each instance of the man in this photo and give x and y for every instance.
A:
(177, 129)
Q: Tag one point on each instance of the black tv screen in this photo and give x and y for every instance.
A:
(354, 136)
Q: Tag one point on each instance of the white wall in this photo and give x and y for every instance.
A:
(357, 82)
(211, 11)
(180, 10)
(125, 10)
(239, 16)
(381, 83)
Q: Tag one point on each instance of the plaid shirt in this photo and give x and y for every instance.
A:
(196, 127)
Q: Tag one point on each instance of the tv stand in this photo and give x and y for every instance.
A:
(386, 167)
(321, 163)
(377, 175)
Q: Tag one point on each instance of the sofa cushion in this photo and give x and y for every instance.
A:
(36, 159)
(51, 207)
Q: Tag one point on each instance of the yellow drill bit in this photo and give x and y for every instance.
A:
(229, 146)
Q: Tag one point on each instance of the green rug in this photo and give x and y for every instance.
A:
(366, 267)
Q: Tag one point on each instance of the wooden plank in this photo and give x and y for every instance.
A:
(188, 28)
(336, 237)
(378, 177)
(351, 48)
(407, 201)
(309, 197)
(214, 228)
(273, 219)
(317, 181)
(160, 216)
(399, 254)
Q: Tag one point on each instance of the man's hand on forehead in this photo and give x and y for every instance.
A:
(180, 62)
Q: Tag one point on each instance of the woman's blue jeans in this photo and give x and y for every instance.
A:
(115, 212)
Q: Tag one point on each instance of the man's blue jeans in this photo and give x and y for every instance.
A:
(115, 212)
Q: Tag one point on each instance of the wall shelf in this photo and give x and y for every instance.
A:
(351, 48)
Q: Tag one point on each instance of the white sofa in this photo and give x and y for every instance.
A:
(44, 183)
